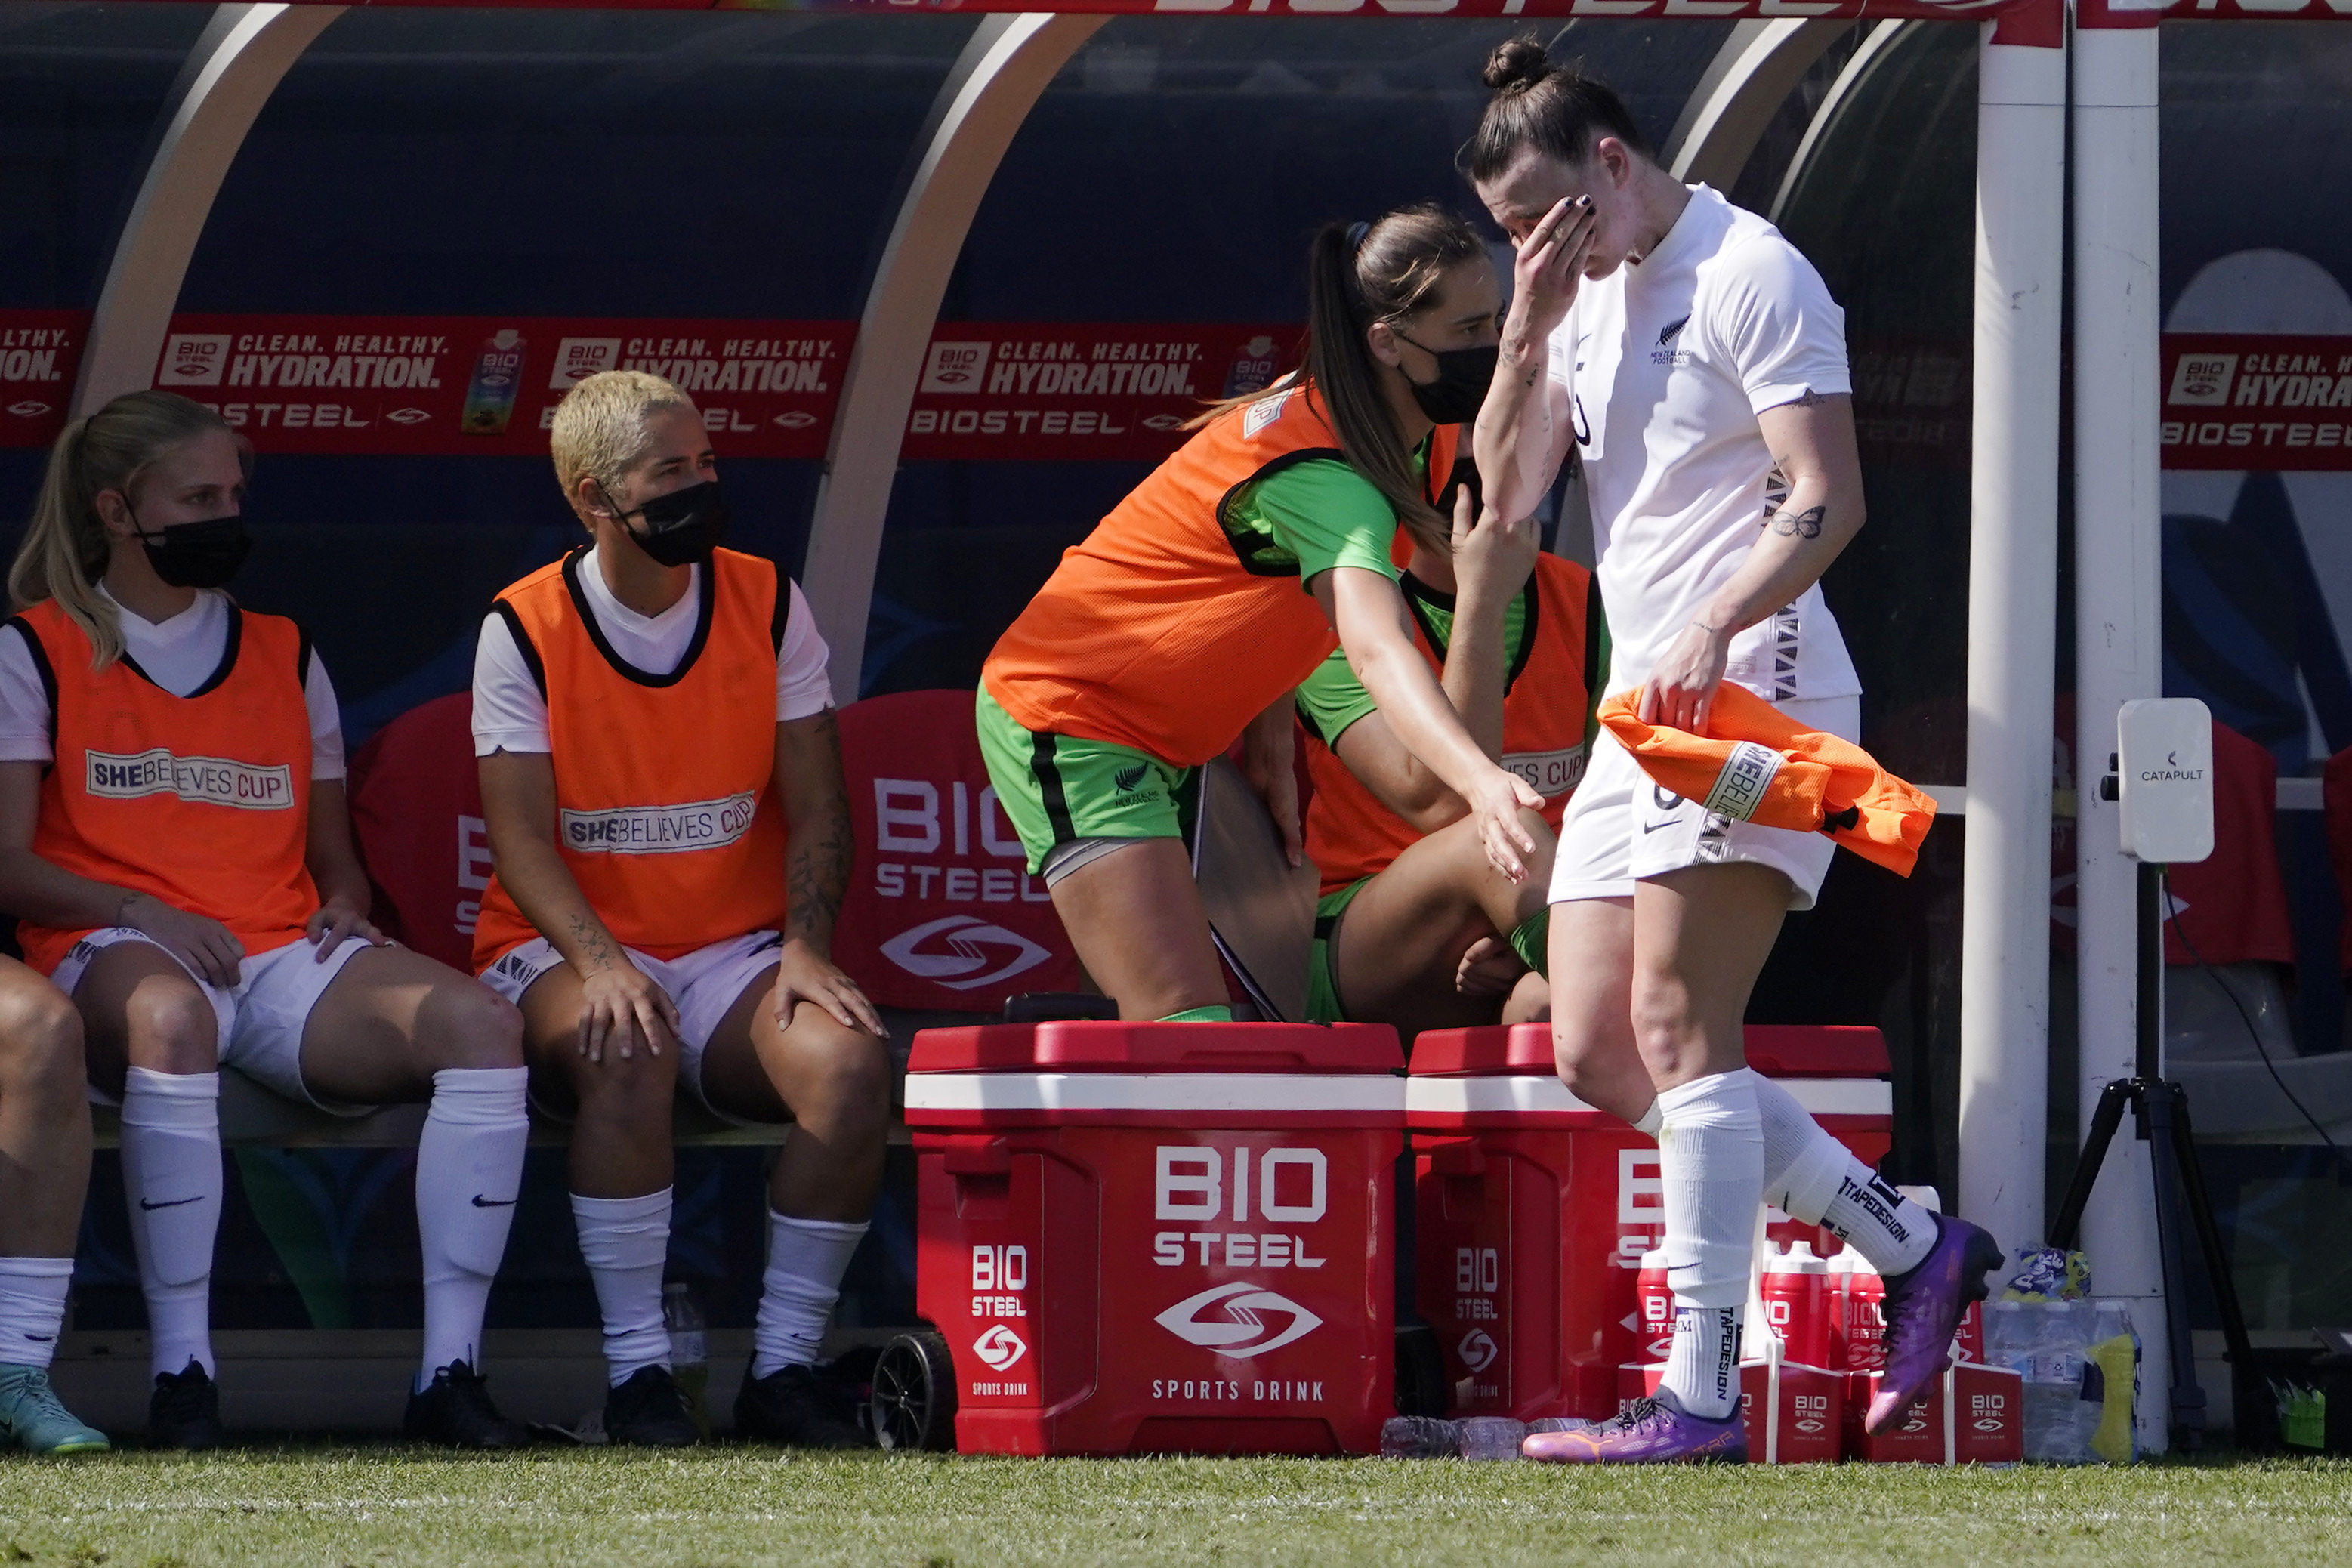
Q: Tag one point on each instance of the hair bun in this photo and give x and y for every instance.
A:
(1518, 65)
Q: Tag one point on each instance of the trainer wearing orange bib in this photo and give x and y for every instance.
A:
(661, 776)
(1188, 616)
(1415, 928)
(174, 842)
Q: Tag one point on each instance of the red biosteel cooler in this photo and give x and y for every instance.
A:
(1533, 1209)
(1160, 1237)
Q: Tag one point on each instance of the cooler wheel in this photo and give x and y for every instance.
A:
(915, 1394)
(1420, 1371)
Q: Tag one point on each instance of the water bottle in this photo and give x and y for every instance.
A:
(1560, 1424)
(1837, 1279)
(1492, 1437)
(2009, 1337)
(1865, 1316)
(1655, 1299)
(1420, 1437)
(1793, 1294)
(2110, 1384)
(2059, 1333)
(689, 1350)
(498, 376)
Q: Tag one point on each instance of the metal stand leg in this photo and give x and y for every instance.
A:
(2164, 1150)
(2162, 1113)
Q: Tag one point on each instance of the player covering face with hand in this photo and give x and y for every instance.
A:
(1699, 364)
(174, 841)
(661, 775)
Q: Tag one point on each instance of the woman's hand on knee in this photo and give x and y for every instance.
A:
(208, 948)
(336, 921)
(621, 1009)
(803, 974)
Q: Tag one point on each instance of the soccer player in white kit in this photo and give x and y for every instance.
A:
(1698, 363)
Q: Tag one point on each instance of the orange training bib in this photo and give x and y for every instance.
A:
(1162, 630)
(667, 810)
(1547, 706)
(202, 801)
(1761, 766)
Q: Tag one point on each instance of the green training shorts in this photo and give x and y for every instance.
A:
(1322, 984)
(1060, 790)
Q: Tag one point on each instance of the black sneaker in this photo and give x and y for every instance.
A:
(455, 1411)
(792, 1406)
(184, 1412)
(650, 1409)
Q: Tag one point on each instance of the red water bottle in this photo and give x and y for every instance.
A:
(1833, 1299)
(1865, 1318)
(1654, 1300)
(1793, 1291)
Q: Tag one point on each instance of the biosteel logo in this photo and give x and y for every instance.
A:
(1239, 1330)
(1000, 1347)
(1478, 1350)
(971, 944)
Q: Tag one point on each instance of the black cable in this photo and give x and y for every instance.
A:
(2172, 914)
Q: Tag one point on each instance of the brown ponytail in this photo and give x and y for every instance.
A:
(64, 550)
(1355, 275)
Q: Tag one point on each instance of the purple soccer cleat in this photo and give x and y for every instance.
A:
(1649, 1432)
(1923, 1312)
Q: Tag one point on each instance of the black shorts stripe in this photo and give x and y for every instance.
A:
(1049, 785)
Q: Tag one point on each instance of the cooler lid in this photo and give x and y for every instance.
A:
(1817, 1050)
(1088, 1046)
(1776, 1050)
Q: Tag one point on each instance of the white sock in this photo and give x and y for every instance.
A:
(1814, 1179)
(468, 1171)
(171, 1184)
(1650, 1120)
(626, 1241)
(807, 1259)
(32, 1307)
(1711, 1169)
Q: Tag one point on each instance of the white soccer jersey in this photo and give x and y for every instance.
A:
(1668, 363)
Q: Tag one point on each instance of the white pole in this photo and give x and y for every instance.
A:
(2012, 625)
(2117, 640)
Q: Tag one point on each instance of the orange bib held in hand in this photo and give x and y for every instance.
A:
(1164, 631)
(1351, 836)
(202, 801)
(1760, 766)
(666, 811)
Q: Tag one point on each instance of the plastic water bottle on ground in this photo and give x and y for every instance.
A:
(1420, 1437)
(1492, 1437)
(2110, 1383)
(689, 1348)
(1560, 1424)
(2058, 1336)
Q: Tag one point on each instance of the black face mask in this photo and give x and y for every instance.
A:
(1463, 377)
(197, 554)
(683, 527)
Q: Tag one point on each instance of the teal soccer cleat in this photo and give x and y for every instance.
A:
(33, 1418)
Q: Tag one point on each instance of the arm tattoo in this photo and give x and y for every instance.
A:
(1811, 399)
(1805, 524)
(817, 876)
(596, 946)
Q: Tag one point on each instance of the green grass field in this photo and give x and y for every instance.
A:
(365, 1506)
